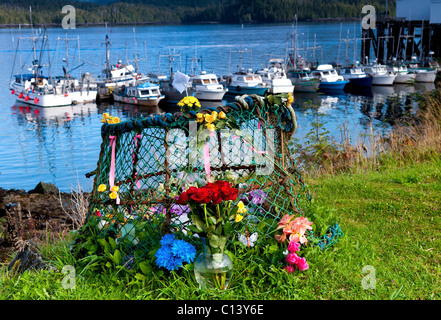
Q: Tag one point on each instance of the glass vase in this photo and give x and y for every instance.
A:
(213, 270)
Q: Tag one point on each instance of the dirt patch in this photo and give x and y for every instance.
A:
(41, 215)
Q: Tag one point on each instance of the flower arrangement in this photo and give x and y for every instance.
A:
(293, 260)
(113, 194)
(212, 213)
(189, 103)
(107, 118)
(294, 227)
(174, 252)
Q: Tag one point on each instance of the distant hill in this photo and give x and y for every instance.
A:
(183, 11)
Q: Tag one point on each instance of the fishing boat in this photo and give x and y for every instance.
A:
(35, 88)
(116, 75)
(145, 94)
(303, 80)
(207, 87)
(403, 75)
(381, 75)
(425, 75)
(245, 82)
(329, 78)
(275, 78)
(356, 77)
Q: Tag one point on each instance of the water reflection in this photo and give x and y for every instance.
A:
(49, 144)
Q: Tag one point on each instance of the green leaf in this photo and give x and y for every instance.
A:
(140, 277)
(116, 257)
(145, 267)
(104, 244)
(112, 243)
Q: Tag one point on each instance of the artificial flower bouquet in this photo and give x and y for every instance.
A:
(294, 230)
(212, 213)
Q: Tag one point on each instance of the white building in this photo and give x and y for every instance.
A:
(428, 10)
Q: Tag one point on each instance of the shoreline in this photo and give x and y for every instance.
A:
(128, 24)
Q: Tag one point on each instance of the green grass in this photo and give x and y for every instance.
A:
(391, 219)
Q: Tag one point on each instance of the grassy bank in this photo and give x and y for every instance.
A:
(388, 206)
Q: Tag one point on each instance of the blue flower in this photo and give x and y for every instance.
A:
(166, 259)
(184, 250)
(167, 240)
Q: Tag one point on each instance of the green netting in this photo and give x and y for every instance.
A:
(151, 160)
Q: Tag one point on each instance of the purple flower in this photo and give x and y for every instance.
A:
(257, 197)
(179, 209)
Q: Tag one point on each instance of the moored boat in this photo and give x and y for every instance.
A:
(275, 78)
(329, 78)
(303, 81)
(246, 83)
(206, 87)
(381, 76)
(145, 94)
(356, 77)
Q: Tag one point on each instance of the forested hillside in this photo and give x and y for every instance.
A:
(183, 11)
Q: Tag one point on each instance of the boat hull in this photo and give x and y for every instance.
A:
(209, 95)
(306, 86)
(405, 78)
(335, 85)
(59, 100)
(383, 80)
(148, 102)
(428, 76)
(364, 82)
(237, 90)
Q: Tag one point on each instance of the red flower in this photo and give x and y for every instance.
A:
(202, 195)
(229, 193)
(191, 191)
(183, 198)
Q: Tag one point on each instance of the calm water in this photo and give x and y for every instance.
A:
(61, 145)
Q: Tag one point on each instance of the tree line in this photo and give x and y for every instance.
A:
(183, 11)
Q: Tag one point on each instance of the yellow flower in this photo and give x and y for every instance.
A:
(113, 195)
(211, 127)
(290, 99)
(102, 188)
(105, 116)
(200, 117)
(238, 218)
(241, 207)
(209, 118)
(214, 114)
(115, 120)
(115, 188)
(222, 115)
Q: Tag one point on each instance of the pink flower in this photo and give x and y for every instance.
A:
(293, 246)
(302, 264)
(300, 225)
(289, 269)
(292, 258)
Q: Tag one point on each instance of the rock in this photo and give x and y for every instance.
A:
(28, 258)
(45, 188)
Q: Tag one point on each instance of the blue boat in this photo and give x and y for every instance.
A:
(329, 78)
(356, 77)
(246, 83)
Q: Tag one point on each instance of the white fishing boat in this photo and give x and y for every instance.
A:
(146, 94)
(116, 75)
(275, 78)
(403, 75)
(206, 87)
(242, 82)
(329, 78)
(381, 75)
(45, 91)
(425, 75)
(356, 77)
(303, 80)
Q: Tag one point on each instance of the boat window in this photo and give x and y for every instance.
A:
(240, 78)
(144, 92)
(249, 78)
(213, 80)
(257, 78)
(206, 81)
(197, 81)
